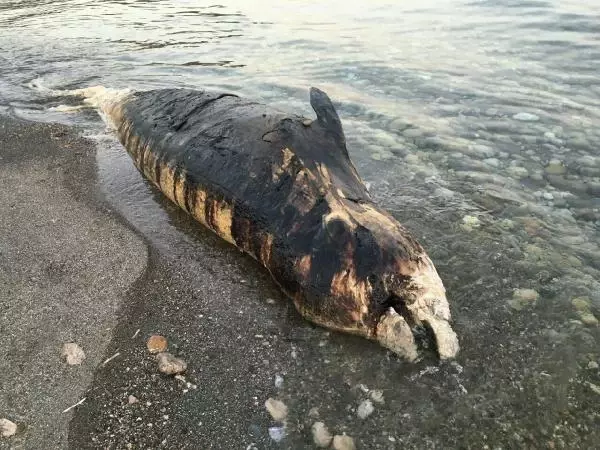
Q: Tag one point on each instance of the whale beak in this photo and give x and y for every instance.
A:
(418, 316)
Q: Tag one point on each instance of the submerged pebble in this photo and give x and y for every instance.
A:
(526, 117)
(522, 298)
(555, 167)
(470, 222)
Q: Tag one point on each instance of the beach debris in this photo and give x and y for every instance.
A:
(75, 405)
(157, 344)
(169, 364)
(277, 409)
(132, 399)
(7, 428)
(73, 354)
(343, 442)
(116, 355)
(321, 435)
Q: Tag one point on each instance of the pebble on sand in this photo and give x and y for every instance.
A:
(73, 354)
(365, 409)
(132, 399)
(523, 298)
(277, 433)
(377, 396)
(169, 364)
(277, 409)
(157, 344)
(343, 442)
(7, 428)
(321, 435)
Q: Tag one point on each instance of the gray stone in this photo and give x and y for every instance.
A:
(169, 364)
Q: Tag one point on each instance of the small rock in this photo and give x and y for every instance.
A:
(73, 353)
(132, 399)
(343, 442)
(365, 409)
(555, 167)
(169, 364)
(523, 298)
(277, 433)
(592, 365)
(470, 222)
(278, 381)
(581, 303)
(526, 117)
(588, 318)
(313, 412)
(548, 196)
(277, 409)
(7, 428)
(594, 387)
(377, 396)
(157, 344)
(321, 436)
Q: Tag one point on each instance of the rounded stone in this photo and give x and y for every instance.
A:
(7, 428)
(169, 364)
(365, 409)
(73, 354)
(321, 435)
(343, 442)
(277, 409)
(157, 344)
(581, 303)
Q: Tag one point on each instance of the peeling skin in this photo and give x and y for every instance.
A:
(296, 204)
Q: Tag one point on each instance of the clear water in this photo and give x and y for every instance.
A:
(476, 123)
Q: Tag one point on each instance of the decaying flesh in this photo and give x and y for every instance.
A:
(282, 188)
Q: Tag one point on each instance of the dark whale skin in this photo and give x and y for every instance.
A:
(283, 189)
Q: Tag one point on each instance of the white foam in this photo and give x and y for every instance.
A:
(99, 97)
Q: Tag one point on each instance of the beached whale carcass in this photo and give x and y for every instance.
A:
(282, 188)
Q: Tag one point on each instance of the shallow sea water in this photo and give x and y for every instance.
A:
(476, 123)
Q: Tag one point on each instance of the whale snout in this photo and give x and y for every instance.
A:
(417, 312)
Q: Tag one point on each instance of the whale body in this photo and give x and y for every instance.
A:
(282, 188)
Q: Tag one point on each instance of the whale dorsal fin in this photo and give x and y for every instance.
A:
(326, 114)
